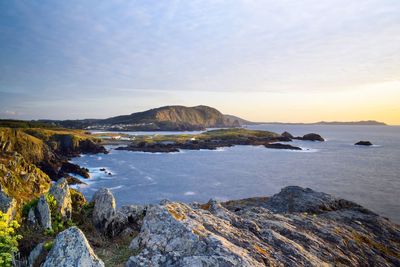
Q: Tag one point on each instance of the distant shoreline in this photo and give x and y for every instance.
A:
(351, 123)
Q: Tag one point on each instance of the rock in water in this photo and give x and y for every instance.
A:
(71, 249)
(104, 208)
(43, 213)
(297, 227)
(61, 193)
(313, 137)
(287, 134)
(363, 143)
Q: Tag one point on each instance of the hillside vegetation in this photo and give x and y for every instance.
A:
(168, 118)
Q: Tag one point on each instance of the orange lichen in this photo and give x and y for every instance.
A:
(260, 250)
(175, 212)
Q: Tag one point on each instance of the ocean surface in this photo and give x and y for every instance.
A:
(369, 176)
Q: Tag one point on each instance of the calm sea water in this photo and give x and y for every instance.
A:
(369, 176)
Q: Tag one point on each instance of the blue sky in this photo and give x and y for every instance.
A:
(95, 59)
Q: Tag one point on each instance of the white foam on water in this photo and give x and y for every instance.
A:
(189, 193)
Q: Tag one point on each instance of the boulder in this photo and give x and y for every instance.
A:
(36, 254)
(313, 137)
(8, 205)
(104, 208)
(61, 192)
(43, 213)
(71, 249)
(363, 143)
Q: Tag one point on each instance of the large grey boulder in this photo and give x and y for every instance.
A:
(297, 227)
(61, 193)
(71, 249)
(104, 208)
(43, 213)
(8, 205)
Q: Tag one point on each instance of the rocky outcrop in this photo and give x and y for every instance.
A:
(43, 213)
(61, 192)
(8, 205)
(71, 249)
(296, 227)
(363, 143)
(68, 167)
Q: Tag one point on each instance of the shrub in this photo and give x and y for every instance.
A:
(8, 239)
(28, 206)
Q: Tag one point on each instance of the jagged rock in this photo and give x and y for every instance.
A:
(135, 215)
(43, 213)
(104, 208)
(61, 192)
(71, 249)
(116, 224)
(36, 254)
(363, 143)
(8, 205)
(312, 229)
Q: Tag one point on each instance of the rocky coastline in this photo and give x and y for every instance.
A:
(59, 227)
(295, 227)
(244, 137)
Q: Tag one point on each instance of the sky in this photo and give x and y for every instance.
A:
(267, 60)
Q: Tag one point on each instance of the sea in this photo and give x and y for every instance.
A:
(369, 176)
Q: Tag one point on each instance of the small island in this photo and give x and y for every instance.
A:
(212, 140)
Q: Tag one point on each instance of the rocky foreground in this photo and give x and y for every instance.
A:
(296, 227)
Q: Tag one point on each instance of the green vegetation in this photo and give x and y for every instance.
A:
(27, 207)
(24, 124)
(8, 239)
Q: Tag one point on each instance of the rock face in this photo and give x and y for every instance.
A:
(363, 143)
(8, 205)
(61, 192)
(43, 213)
(71, 249)
(297, 227)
